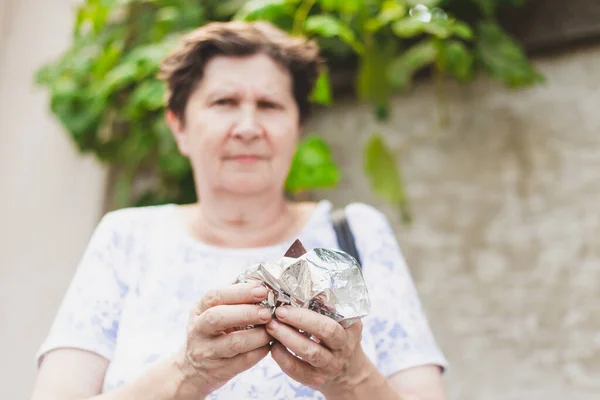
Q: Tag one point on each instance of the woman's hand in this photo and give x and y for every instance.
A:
(215, 352)
(333, 366)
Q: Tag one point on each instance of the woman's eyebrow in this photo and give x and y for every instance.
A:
(217, 92)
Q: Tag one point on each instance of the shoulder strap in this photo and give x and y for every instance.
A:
(344, 234)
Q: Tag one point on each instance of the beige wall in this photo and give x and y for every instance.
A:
(505, 245)
(49, 197)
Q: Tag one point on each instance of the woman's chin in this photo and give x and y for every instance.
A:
(247, 185)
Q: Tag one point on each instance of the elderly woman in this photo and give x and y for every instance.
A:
(150, 311)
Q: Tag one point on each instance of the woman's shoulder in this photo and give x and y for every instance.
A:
(133, 218)
(363, 213)
(363, 209)
(368, 224)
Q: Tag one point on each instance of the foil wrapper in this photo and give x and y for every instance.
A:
(327, 281)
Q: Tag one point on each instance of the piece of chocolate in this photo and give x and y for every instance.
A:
(296, 250)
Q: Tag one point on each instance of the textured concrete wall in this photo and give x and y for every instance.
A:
(50, 198)
(505, 244)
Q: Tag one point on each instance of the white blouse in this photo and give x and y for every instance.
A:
(141, 274)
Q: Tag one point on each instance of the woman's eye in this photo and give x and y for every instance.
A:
(268, 104)
(224, 102)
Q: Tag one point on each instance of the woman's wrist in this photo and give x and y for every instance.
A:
(356, 376)
(362, 381)
(187, 384)
(166, 380)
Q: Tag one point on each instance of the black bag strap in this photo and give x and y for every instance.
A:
(344, 234)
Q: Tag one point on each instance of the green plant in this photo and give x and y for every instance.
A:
(104, 90)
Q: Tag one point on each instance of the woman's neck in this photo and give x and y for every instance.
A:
(231, 220)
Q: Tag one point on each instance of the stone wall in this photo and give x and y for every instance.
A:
(505, 243)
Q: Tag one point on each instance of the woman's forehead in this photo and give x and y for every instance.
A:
(243, 73)
(246, 89)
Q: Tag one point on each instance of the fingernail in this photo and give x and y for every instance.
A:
(272, 324)
(281, 312)
(259, 292)
(264, 314)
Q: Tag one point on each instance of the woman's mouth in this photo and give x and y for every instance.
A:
(245, 158)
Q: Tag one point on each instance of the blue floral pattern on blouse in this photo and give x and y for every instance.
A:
(141, 274)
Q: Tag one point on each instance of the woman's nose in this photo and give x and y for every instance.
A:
(247, 127)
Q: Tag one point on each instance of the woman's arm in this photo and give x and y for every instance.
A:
(69, 374)
(209, 359)
(422, 383)
(72, 374)
(417, 383)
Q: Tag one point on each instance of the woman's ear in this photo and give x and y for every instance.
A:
(178, 130)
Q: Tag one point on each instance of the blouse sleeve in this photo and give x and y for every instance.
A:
(88, 317)
(397, 322)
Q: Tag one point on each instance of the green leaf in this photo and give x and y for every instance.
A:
(92, 13)
(174, 164)
(455, 58)
(170, 160)
(147, 96)
(322, 91)
(408, 27)
(329, 5)
(329, 26)
(263, 10)
(140, 64)
(350, 6)
(462, 30)
(136, 146)
(411, 27)
(118, 77)
(79, 20)
(390, 11)
(384, 175)
(372, 82)
(503, 58)
(343, 6)
(64, 88)
(487, 7)
(426, 3)
(123, 189)
(312, 166)
(167, 14)
(107, 60)
(148, 57)
(440, 28)
(403, 68)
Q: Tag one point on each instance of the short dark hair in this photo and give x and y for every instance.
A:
(183, 69)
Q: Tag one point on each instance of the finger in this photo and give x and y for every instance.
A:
(241, 293)
(217, 319)
(295, 368)
(354, 331)
(232, 344)
(331, 333)
(243, 362)
(307, 349)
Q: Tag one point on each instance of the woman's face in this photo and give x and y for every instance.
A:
(241, 125)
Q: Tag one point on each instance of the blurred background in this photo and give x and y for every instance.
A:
(473, 124)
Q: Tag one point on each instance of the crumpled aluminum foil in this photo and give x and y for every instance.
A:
(327, 281)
